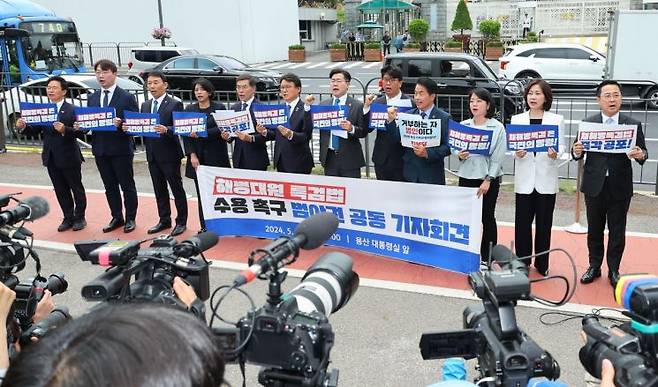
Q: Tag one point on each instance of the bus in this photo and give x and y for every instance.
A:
(36, 43)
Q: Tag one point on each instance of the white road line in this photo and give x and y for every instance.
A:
(349, 66)
(335, 64)
(298, 65)
(371, 65)
(267, 65)
(317, 65)
(283, 65)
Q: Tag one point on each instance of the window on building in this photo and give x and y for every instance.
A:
(305, 30)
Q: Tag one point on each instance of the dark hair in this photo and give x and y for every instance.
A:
(157, 74)
(429, 85)
(205, 85)
(62, 82)
(392, 71)
(123, 345)
(545, 89)
(105, 64)
(290, 77)
(247, 77)
(606, 83)
(346, 74)
(484, 95)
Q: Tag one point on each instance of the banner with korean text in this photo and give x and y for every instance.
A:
(379, 114)
(532, 138)
(271, 116)
(38, 114)
(466, 138)
(98, 119)
(414, 130)
(398, 224)
(597, 137)
(186, 123)
(232, 122)
(140, 124)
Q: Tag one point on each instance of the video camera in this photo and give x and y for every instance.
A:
(631, 347)
(505, 353)
(291, 336)
(15, 248)
(154, 268)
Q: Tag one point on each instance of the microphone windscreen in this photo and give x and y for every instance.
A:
(501, 253)
(38, 207)
(317, 229)
(205, 240)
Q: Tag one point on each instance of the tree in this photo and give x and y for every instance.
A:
(490, 29)
(418, 29)
(462, 19)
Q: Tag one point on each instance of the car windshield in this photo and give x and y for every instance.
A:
(229, 63)
(487, 70)
(47, 52)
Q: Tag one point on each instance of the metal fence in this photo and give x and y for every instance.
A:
(573, 108)
(118, 52)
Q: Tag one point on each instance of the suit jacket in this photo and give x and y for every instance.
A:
(116, 143)
(60, 149)
(350, 153)
(419, 169)
(387, 149)
(210, 150)
(538, 171)
(166, 148)
(295, 154)
(250, 155)
(618, 165)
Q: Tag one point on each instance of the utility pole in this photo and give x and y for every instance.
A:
(162, 39)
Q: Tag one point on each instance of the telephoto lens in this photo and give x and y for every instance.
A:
(57, 283)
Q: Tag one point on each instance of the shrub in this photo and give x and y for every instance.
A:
(339, 46)
(296, 47)
(462, 19)
(490, 29)
(418, 29)
(371, 44)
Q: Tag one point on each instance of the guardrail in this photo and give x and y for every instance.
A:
(118, 52)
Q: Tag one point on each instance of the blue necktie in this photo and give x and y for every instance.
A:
(609, 121)
(106, 98)
(155, 107)
(244, 106)
(335, 140)
(423, 115)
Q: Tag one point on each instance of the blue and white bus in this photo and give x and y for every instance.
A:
(36, 43)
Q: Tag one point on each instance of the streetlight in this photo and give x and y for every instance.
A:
(162, 39)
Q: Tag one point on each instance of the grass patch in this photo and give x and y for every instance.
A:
(567, 186)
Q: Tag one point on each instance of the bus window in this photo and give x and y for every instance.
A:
(14, 65)
(49, 51)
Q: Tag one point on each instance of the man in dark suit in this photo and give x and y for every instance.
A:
(62, 157)
(113, 151)
(422, 164)
(292, 153)
(164, 156)
(387, 153)
(608, 186)
(342, 156)
(249, 150)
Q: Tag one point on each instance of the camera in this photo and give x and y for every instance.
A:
(153, 268)
(504, 352)
(291, 336)
(631, 347)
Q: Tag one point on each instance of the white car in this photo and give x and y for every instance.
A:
(552, 61)
(80, 87)
(142, 58)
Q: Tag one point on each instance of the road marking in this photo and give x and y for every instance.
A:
(335, 64)
(267, 65)
(349, 66)
(317, 65)
(299, 65)
(283, 65)
(371, 65)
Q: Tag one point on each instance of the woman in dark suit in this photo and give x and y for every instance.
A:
(211, 150)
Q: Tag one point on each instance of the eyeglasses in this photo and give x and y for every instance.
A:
(611, 96)
(332, 80)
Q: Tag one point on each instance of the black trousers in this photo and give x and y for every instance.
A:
(69, 191)
(331, 167)
(161, 175)
(117, 171)
(387, 49)
(389, 172)
(537, 207)
(489, 227)
(599, 209)
(202, 220)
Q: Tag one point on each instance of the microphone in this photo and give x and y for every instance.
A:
(309, 234)
(507, 259)
(31, 208)
(196, 244)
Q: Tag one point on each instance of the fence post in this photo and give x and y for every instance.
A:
(576, 227)
(118, 54)
(91, 56)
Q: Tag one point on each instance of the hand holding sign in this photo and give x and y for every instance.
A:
(227, 135)
(243, 136)
(20, 124)
(346, 125)
(392, 113)
(261, 129)
(368, 101)
(636, 153)
(160, 129)
(420, 151)
(521, 153)
(285, 132)
(59, 127)
(552, 153)
(117, 122)
(309, 99)
(463, 155)
(578, 149)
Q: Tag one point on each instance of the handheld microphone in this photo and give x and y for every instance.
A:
(31, 208)
(196, 244)
(309, 234)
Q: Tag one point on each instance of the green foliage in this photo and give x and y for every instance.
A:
(412, 45)
(532, 37)
(453, 43)
(494, 43)
(371, 44)
(462, 19)
(296, 47)
(340, 46)
(340, 15)
(490, 29)
(418, 29)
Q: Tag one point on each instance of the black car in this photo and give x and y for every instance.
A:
(221, 70)
(456, 74)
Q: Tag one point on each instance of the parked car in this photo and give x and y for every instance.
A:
(142, 58)
(580, 66)
(456, 74)
(221, 70)
(80, 87)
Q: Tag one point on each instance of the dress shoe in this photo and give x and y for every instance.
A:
(65, 225)
(590, 275)
(544, 273)
(613, 276)
(201, 231)
(129, 226)
(159, 227)
(79, 224)
(179, 229)
(113, 225)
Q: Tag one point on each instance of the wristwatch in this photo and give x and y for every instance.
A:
(489, 178)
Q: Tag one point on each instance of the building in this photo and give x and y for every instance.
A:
(249, 30)
(317, 27)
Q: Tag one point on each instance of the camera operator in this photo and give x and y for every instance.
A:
(185, 292)
(7, 297)
(138, 344)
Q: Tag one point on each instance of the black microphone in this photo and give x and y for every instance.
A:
(507, 259)
(31, 208)
(309, 234)
(196, 244)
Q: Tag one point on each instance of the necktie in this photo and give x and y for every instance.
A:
(423, 115)
(289, 109)
(106, 98)
(155, 107)
(335, 140)
(244, 106)
(609, 121)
